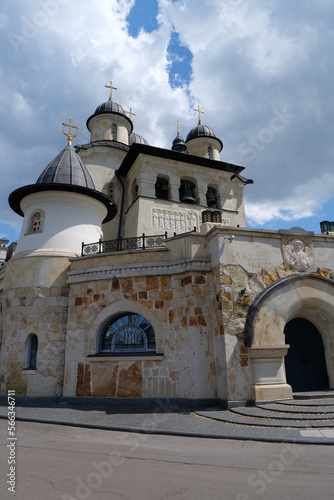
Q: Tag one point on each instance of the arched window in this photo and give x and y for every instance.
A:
(210, 152)
(36, 222)
(128, 333)
(161, 188)
(31, 352)
(114, 132)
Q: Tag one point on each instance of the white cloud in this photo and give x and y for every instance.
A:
(249, 58)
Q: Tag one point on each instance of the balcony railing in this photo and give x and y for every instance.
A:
(135, 243)
(327, 226)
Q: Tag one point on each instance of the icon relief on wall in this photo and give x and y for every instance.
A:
(298, 255)
(169, 220)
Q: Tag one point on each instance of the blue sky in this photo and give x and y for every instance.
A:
(261, 71)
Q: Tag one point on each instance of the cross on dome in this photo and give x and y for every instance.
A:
(130, 114)
(178, 126)
(199, 114)
(69, 135)
(111, 89)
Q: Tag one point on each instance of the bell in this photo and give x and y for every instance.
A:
(164, 188)
(186, 194)
(211, 197)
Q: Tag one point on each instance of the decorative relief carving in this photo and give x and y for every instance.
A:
(170, 220)
(298, 254)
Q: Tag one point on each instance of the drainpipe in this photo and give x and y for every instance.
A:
(119, 237)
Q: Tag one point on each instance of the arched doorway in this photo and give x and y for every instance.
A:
(305, 362)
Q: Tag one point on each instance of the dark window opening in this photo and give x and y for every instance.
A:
(31, 352)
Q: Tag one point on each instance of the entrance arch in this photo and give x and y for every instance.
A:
(305, 297)
(305, 362)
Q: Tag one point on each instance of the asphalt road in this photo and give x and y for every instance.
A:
(70, 463)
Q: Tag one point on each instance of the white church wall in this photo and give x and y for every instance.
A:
(63, 230)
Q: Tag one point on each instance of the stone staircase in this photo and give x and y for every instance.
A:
(310, 415)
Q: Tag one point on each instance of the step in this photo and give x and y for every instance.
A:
(324, 409)
(229, 417)
(306, 402)
(314, 395)
(264, 413)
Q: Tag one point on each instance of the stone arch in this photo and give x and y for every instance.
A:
(121, 306)
(298, 296)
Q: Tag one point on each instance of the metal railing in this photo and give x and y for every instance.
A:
(327, 226)
(135, 243)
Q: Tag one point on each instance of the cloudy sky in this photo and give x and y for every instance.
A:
(262, 71)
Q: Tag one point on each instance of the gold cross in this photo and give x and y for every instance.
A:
(199, 114)
(131, 114)
(70, 136)
(111, 89)
(178, 126)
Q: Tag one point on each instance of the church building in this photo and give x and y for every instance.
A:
(135, 276)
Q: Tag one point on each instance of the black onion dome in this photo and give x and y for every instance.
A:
(202, 131)
(179, 144)
(110, 107)
(66, 168)
(137, 139)
(65, 173)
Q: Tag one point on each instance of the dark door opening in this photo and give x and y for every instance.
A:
(305, 362)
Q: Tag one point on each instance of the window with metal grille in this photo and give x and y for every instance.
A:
(211, 216)
(36, 221)
(114, 132)
(128, 333)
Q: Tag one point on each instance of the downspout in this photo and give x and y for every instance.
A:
(119, 237)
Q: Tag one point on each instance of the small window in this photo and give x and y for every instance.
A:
(128, 333)
(114, 132)
(210, 153)
(161, 188)
(211, 216)
(36, 223)
(31, 352)
(111, 188)
(134, 190)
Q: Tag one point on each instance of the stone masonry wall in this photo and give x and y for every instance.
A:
(42, 311)
(181, 306)
(238, 289)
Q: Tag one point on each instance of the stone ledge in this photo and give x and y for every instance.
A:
(134, 357)
(140, 269)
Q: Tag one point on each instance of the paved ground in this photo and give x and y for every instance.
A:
(58, 462)
(308, 421)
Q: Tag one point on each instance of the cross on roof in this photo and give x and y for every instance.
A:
(130, 114)
(69, 135)
(178, 126)
(111, 89)
(199, 114)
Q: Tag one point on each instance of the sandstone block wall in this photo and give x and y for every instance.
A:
(42, 311)
(179, 307)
